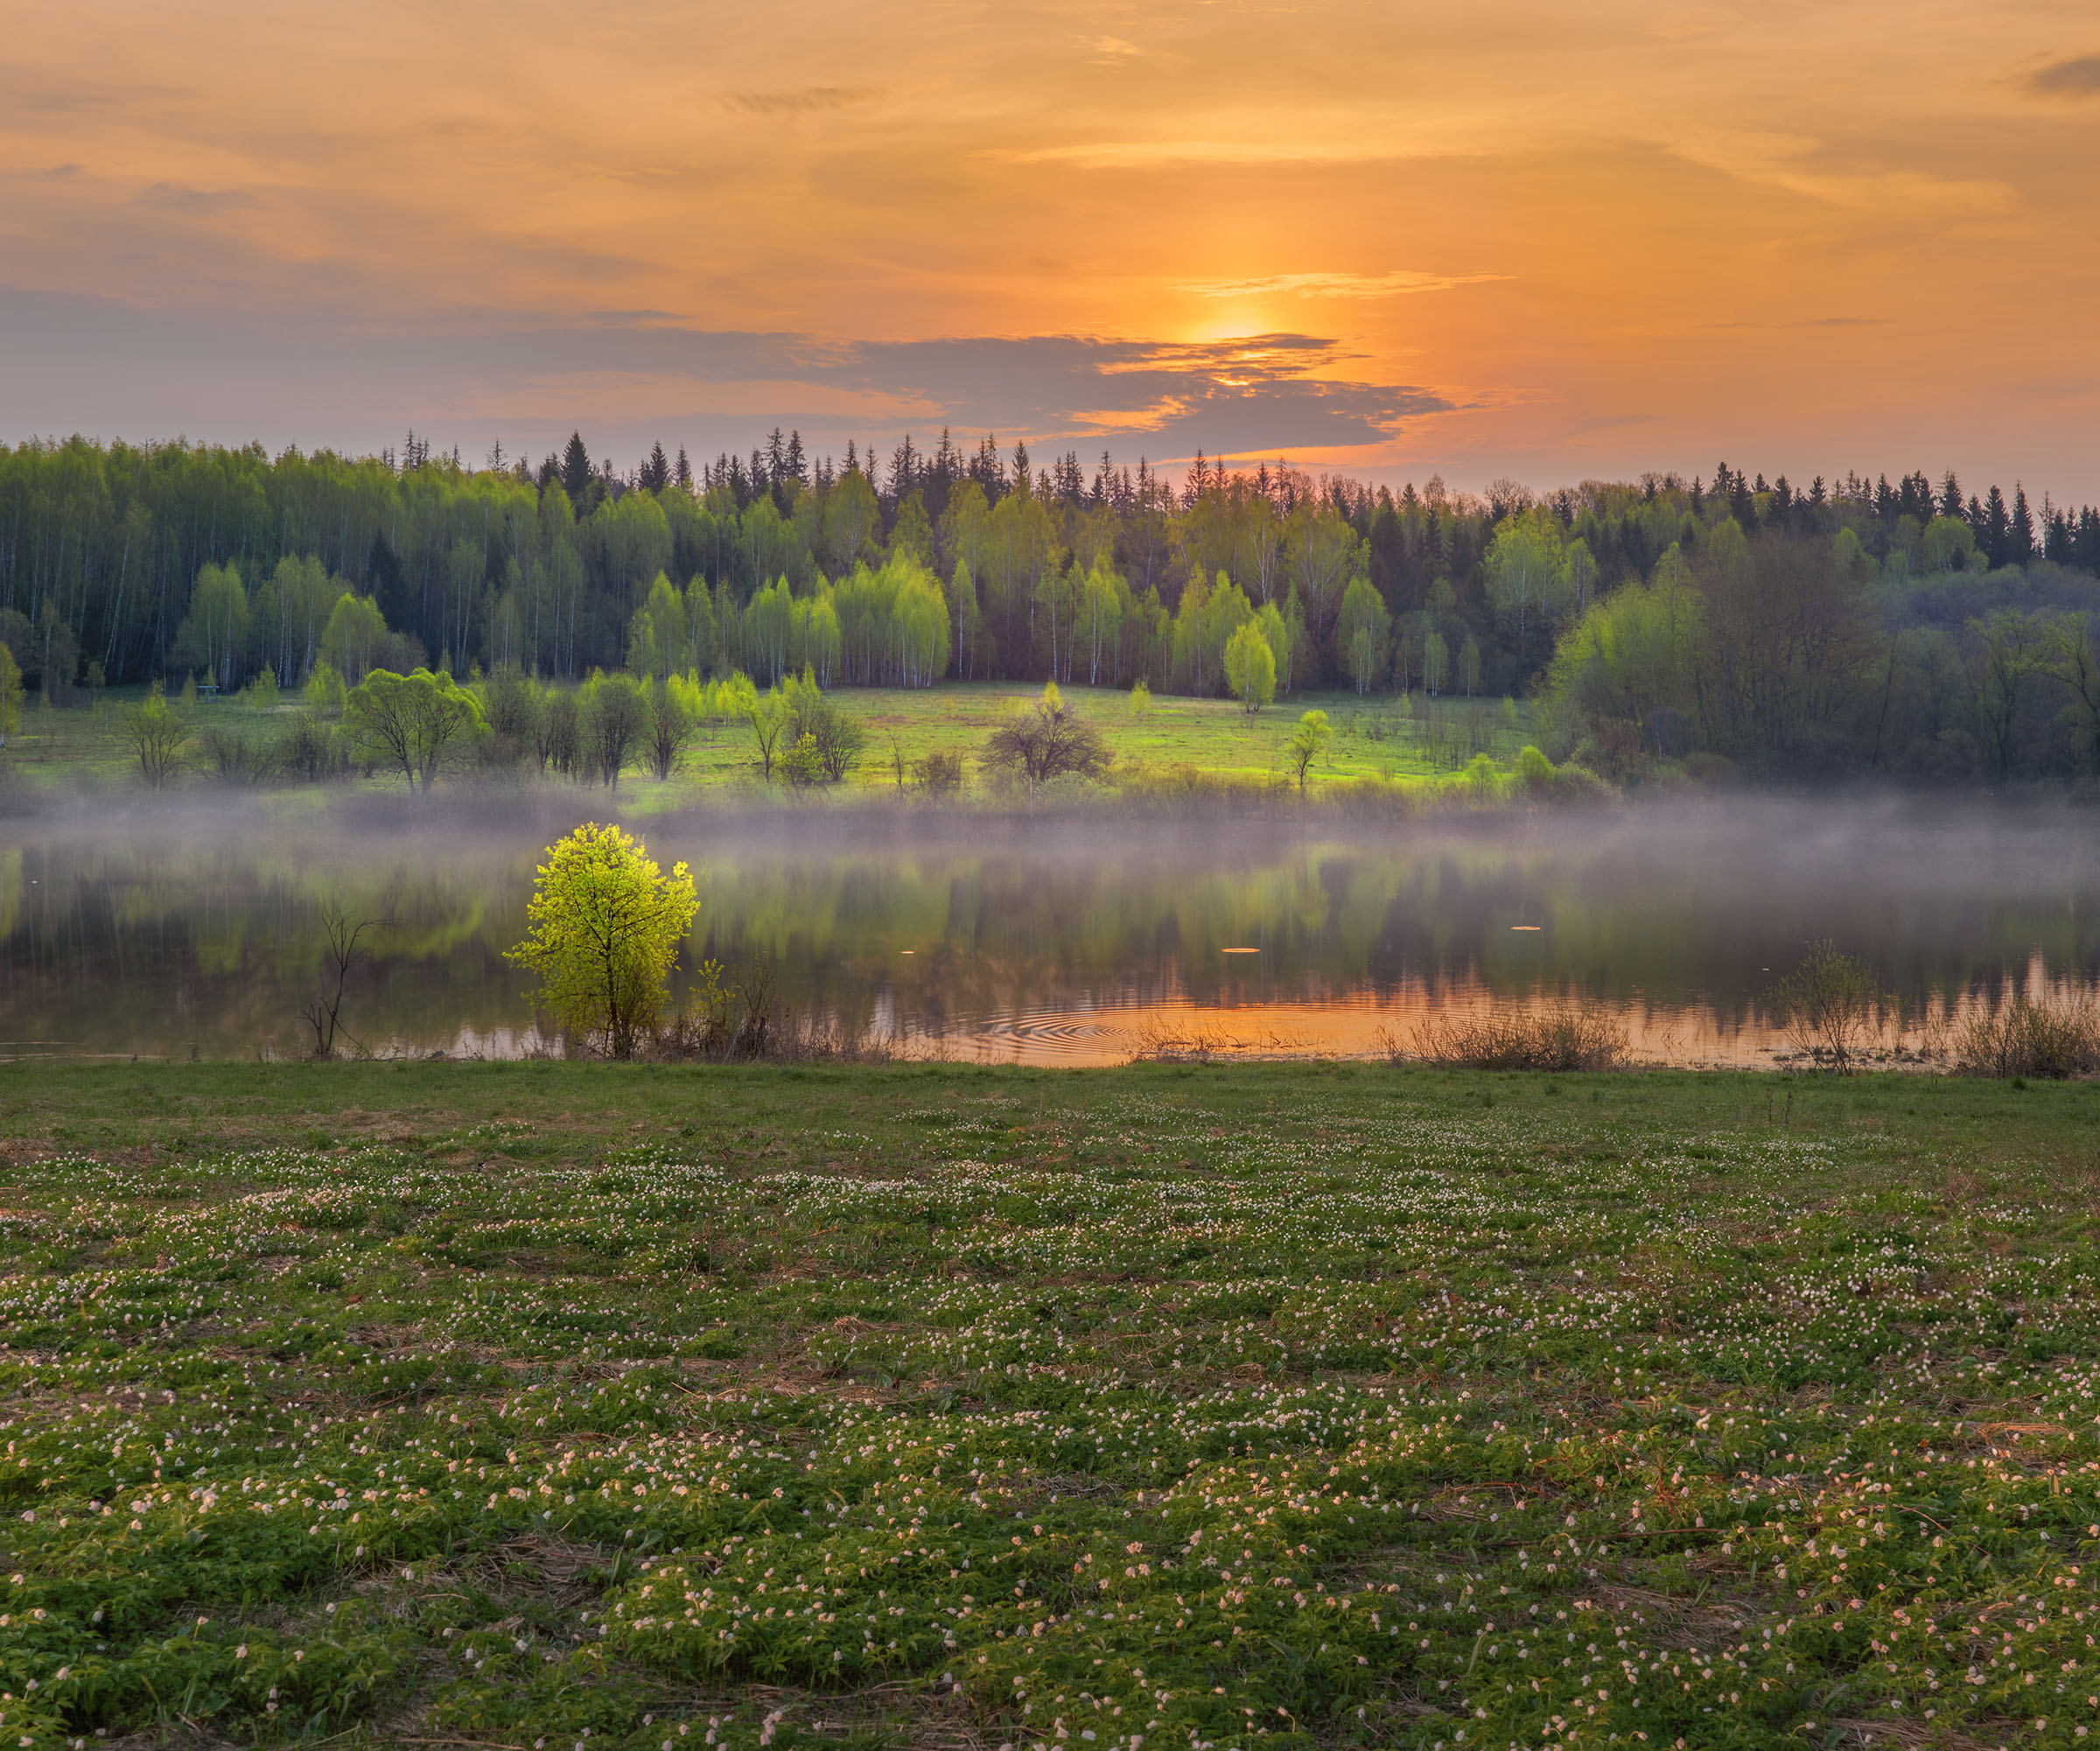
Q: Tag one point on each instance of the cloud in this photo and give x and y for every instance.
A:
(2076, 76)
(87, 363)
(167, 197)
(1259, 392)
(807, 100)
(1209, 152)
(1397, 283)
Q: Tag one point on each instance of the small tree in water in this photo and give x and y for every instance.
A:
(606, 924)
(1831, 1001)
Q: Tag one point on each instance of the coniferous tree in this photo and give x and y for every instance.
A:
(1996, 535)
(2021, 547)
(576, 468)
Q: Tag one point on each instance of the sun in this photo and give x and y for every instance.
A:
(1228, 319)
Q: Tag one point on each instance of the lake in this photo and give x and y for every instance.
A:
(193, 927)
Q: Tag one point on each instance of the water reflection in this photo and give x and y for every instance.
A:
(174, 933)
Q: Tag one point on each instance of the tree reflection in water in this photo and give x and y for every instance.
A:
(1059, 940)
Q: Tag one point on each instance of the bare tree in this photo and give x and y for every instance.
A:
(343, 943)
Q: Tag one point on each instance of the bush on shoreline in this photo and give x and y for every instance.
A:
(1568, 1036)
(2055, 1040)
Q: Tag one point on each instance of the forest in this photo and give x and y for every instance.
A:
(1901, 629)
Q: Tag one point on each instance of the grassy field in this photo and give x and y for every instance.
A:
(553, 1405)
(1381, 735)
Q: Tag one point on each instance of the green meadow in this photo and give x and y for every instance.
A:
(1292, 1406)
(1381, 736)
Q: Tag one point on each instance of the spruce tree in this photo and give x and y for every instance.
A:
(576, 467)
(1995, 538)
(2023, 527)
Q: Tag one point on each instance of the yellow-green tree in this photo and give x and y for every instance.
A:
(413, 721)
(158, 735)
(1308, 741)
(658, 639)
(606, 923)
(11, 692)
(350, 642)
(1250, 667)
(215, 630)
(1528, 578)
(1362, 633)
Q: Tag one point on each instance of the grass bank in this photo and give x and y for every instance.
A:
(1291, 1404)
(1378, 739)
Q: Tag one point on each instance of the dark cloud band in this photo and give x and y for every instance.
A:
(72, 360)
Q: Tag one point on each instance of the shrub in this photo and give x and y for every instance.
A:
(311, 748)
(233, 756)
(1179, 787)
(1566, 1037)
(1537, 777)
(940, 773)
(802, 765)
(1046, 741)
(1830, 1001)
(744, 1020)
(2056, 1038)
(1614, 750)
(836, 738)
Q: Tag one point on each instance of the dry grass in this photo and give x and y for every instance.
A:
(2056, 1039)
(1166, 1039)
(1566, 1037)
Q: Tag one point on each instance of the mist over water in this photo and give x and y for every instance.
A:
(194, 928)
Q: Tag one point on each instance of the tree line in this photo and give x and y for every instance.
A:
(122, 563)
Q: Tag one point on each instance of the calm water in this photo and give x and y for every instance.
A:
(196, 930)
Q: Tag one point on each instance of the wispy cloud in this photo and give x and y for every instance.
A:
(1107, 155)
(1394, 284)
(167, 197)
(809, 100)
(2076, 76)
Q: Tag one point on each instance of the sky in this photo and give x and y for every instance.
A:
(1546, 242)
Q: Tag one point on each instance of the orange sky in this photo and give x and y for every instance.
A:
(1538, 240)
